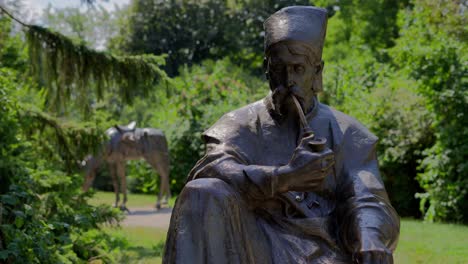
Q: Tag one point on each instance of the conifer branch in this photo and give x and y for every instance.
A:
(71, 71)
(73, 140)
(3, 9)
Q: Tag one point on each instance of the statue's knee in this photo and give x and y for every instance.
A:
(210, 187)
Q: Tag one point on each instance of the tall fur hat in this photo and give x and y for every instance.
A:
(304, 24)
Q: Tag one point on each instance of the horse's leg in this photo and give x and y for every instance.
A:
(123, 183)
(115, 182)
(152, 161)
(165, 175)
(160, 162)
(165, 167)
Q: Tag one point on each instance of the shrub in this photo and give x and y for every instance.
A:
(432, 51)
(44, 218)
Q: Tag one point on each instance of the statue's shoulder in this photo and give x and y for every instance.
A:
(244, 115)
(347, 126)
(238, 122)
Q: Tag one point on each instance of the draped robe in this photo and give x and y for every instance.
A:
(229, 212)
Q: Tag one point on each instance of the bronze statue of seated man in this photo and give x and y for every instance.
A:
(286, 179)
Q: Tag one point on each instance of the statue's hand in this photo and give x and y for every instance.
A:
(375, 256)
(307, 169)
(372, 251)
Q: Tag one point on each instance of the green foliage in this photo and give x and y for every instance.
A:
(12, 53)
(199, 97)
(9, 148)
(413, 96)
(141, 177)
(69, 70)
(390, 107)
(361, 23)
(206, 92)
(44, 217)
(48, 220)
(357, 83)
(72, 139)
(192, 31)
(91, 25)
(432, 51)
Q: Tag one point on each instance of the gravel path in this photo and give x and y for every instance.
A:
(148, 217)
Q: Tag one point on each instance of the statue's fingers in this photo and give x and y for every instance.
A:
(314, 182)
(380, 257)
(327, 155)
(376, 257)
(316, 177)
(367, 258)
(387, 258)
(327, 162)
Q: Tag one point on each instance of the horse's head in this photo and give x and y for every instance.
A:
(113, 131)
(85, 162)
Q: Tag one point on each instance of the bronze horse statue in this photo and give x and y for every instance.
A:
(131, 143)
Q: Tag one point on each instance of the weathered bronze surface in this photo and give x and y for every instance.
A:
(286, 179)
(131, 143)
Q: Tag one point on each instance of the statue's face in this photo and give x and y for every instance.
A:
(291, 71)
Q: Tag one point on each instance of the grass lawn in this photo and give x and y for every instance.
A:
(419, 242)
(432, 243)
(133, 200)
(146, 244)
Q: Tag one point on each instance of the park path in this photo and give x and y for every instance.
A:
(148, 217)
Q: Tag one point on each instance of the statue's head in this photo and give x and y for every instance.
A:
(294, 38)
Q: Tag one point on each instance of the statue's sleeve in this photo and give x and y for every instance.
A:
(231, 160)
(367, 219)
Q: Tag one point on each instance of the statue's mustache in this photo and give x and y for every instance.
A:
(281, 94)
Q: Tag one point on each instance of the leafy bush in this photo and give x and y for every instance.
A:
(412, 95)
(391, 108)
(44, 218)
(206, 92)
(142, 178)
(432, 51)
(193, 102)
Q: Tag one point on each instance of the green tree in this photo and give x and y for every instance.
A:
(361, 81)
(432, 51)
(191, 31)
(199, 96)
(44, 217)
(93, 25)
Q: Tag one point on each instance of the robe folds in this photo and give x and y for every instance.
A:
(230, 212)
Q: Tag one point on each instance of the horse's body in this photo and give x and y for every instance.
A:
(130, 143)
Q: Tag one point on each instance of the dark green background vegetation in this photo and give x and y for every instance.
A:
(400, 67)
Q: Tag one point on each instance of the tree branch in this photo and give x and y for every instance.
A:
(73, 72)
(3, 9)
